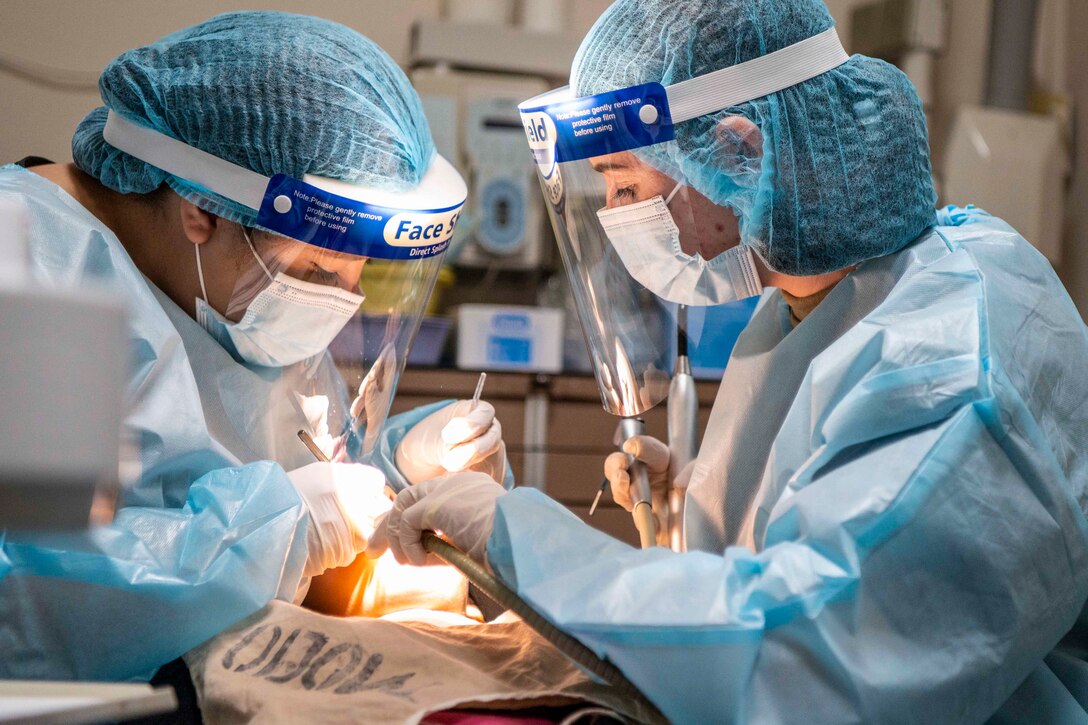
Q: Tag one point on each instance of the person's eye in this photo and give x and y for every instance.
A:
(624, 193)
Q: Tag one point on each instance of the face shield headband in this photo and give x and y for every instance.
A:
(326, 213)
(561, 128)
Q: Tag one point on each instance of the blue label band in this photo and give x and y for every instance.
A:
(598, 125)
(304, 212)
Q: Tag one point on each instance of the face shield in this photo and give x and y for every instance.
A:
(639, 242)
(295, 284)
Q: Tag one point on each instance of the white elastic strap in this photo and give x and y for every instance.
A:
(232, 181)
(756, 78)
(672, 193)
(200, 273)
(441, 185)
(249, 241)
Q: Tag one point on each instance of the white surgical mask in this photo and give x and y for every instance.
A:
(647, 240)
(290, 320)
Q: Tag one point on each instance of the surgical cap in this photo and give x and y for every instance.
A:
(842, 173)
(272, 92)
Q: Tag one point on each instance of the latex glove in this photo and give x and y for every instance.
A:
(453, 439)
(374, 395)
(315, 408)
(655, 456)
(461, 506)
(344, 502)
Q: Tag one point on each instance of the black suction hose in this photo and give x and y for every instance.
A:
(504, 596)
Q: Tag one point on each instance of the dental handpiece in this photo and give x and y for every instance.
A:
(641, 495)
(683, 410)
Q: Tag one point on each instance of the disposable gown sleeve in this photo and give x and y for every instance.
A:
(396, 427)
(119, 601)
(918, 578)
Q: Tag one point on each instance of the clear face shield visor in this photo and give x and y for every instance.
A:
(641, 246)
(328, 265)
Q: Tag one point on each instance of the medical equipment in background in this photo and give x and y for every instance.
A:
(509, 337)
(63, 358)
(474, 121)
(1000, 156)
(683, 410)
(471, 69)
(501, 36)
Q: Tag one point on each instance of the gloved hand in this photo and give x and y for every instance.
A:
(655, 457)
(461, 506)
(374, 395)
(345, 502)
(453, 439)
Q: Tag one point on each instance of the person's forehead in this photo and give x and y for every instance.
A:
(297, 249)
(332, 255)
(625, 163)
(619, 161)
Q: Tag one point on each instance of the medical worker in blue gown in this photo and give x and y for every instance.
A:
(232, 302)
(886, 518)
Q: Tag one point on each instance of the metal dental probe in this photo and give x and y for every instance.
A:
(479, 391)
(308, 441)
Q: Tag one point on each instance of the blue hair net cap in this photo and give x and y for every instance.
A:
(273, 92)
(839, 172)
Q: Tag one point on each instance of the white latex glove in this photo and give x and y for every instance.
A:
(655, 456)
(374, 384)
(456, 438)
(345, 503)
(375, 391)
(460, 506)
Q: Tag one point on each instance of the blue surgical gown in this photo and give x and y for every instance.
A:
(886, 522)
(210, 531)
